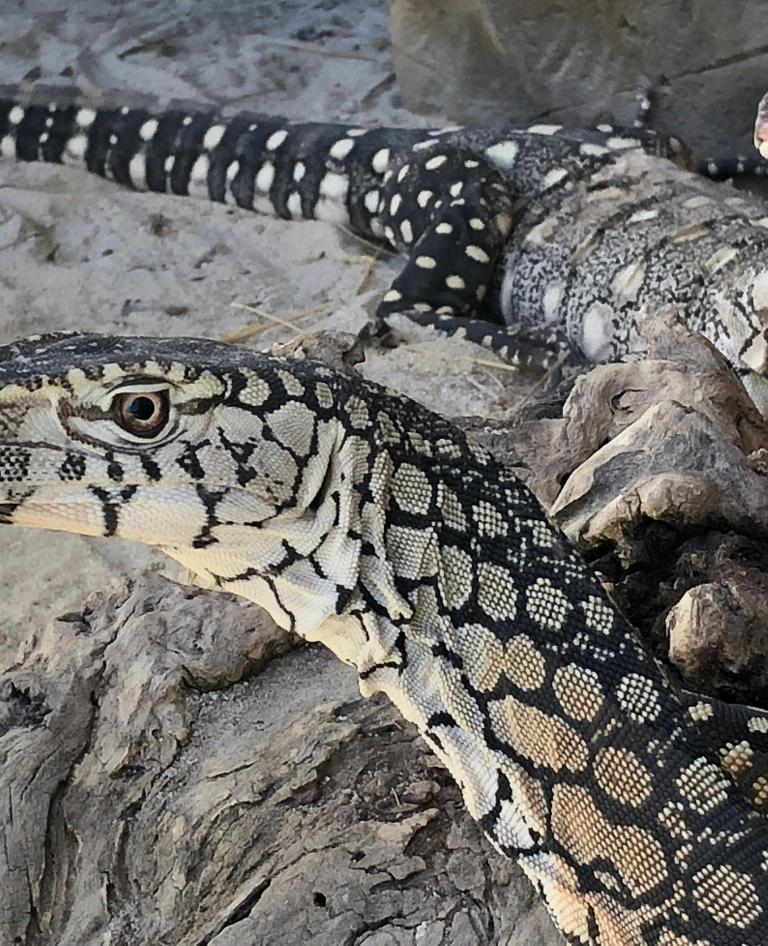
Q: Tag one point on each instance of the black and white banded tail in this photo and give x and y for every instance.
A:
(294, 170)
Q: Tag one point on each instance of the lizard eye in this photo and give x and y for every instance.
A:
(141, 413)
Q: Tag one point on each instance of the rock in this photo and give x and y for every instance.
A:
(491, 61)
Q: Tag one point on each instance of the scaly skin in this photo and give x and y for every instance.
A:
(519, 238)
(359, 519)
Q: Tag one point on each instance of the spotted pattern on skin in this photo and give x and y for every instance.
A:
(343, 170)
(340, 174)
(358, 518)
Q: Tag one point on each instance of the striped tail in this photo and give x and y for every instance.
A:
(720, 169)
(266, 164)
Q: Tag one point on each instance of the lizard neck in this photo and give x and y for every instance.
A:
(474, 616)
(432, 570)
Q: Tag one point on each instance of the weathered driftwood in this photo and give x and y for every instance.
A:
(718, 634)
(659, 468)
(175, 770)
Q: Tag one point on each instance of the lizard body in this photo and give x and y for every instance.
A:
(514, 236)
(362, 520)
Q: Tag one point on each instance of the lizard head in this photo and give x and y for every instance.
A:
(198, 448)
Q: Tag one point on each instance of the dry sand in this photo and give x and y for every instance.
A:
(77, 252)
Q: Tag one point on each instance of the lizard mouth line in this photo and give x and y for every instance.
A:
(42, 445)
(80, 451)
(6, 512)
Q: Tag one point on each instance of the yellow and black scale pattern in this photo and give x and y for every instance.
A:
(360, 519)
(522, 239)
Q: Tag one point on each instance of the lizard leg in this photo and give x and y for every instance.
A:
(451, 213)
(544, 347)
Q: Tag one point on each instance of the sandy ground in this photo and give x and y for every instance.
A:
(77, 252)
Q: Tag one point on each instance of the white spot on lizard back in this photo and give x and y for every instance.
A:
(294, 205)
(137, 170)
(198, 178)
(623, 144)
(371, 201)
(331, 204)
(76, 147)
(544, 129)
(642, 215)
(720, 258)
(503, 153)
(554, 177)
(628, 280)
(380, 160)
(593, 149)
(276, 139)
(341, 148)
(597, 331)
(85, 117)
(148, 129)
(334, 186)
(553, 296)
(477, 253)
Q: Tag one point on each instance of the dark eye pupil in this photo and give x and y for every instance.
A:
(144, 414)
(142, 408)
